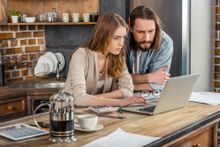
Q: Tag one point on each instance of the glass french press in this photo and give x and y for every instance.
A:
(61, 117)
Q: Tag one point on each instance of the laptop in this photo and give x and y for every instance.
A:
(175, 95)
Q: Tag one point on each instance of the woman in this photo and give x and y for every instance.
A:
(97, 73)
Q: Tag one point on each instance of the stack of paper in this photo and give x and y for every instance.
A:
(120, 138)
(210, 98)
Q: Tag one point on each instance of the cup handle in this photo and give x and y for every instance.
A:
(34, 116)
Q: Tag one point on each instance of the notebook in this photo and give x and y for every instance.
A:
(175, 95)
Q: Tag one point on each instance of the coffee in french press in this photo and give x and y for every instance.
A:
(62, 118)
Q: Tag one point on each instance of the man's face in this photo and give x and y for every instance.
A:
(144, 32)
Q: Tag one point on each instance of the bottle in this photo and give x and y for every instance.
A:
(2, 78)
(54, 15)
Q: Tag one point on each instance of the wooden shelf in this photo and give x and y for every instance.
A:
(53, 23)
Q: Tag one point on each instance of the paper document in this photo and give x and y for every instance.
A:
(120, 138)
(210, 98)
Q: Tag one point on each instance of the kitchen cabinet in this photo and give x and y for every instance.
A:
(204, 138)
(13, 107)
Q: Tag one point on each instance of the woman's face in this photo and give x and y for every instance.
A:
(117, 41)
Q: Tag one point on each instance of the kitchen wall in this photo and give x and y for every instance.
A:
(22, 52)
(217, 49)
(32, 41)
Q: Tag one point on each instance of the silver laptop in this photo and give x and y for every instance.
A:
(175, 95)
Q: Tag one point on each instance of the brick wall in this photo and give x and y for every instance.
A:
(217, 49)
(20, 54)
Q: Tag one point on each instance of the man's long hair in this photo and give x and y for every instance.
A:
(144, 12)
(102, 34)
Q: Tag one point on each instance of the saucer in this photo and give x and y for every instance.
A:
(97, 127)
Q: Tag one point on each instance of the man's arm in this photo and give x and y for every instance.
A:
(158, 77)
(143, 86)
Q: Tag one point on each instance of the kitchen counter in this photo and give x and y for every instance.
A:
(20, 98)
(35, 87)
(6, 92)
(193, 125)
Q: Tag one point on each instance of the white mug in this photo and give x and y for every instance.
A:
(86, 17)
(87, 121)
(75, 17)
(65, 17)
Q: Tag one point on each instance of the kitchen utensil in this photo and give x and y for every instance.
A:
(29, 19)
(61, 117)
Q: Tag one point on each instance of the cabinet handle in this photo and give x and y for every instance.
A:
(10, 107)
(196, 145)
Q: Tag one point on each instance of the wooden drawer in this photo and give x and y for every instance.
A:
(202, 139)
(12, 108)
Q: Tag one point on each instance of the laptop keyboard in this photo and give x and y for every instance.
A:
(148, 109)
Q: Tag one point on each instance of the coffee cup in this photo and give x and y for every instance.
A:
(75, 17)
(65, 17)
(87, 121)
(86, 17)
(94, 17)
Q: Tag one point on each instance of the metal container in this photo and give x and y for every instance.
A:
(62, 118)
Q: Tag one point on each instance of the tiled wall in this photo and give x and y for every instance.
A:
(20, 54)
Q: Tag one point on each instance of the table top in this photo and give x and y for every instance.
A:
(165, 125)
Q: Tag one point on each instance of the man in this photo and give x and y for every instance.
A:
(149, 51)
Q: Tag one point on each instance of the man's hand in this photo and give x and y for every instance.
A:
(159, 76)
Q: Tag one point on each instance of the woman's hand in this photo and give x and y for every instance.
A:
(133, 100)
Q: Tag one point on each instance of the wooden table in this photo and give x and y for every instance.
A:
(179, 127)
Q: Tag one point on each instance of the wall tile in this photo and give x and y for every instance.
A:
(31, 41)
(13, 51)
(38, 34)
(4, 28)
(6, 35)
(31, 49)
(23, 42)
(23, 28)
(217, 51)
(13, 28)
(23, 34)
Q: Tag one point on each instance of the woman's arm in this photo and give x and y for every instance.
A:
(116, 102)
(116, 94)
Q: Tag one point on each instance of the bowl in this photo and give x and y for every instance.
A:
(30, 19)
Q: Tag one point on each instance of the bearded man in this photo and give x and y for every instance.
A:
(149, 50)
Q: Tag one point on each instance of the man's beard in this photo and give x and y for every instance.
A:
(145, 48)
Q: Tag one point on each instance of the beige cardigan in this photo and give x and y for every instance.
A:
(82, 78)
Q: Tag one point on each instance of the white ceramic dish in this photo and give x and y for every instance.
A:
(61, 58)
(30, 19)
(54, 59)
(45, 59)
(41, 69)
(97, 127)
